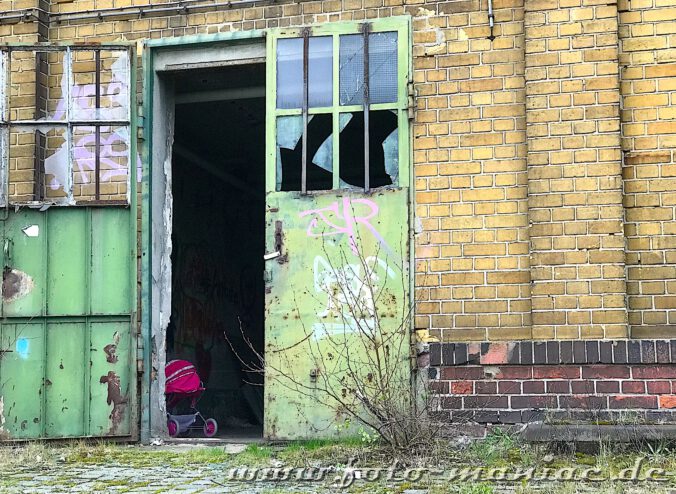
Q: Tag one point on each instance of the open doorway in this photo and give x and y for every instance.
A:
(218, 226)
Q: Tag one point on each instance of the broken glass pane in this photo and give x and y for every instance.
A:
(38, 163)
(351, 72)
(319, 168)
(382, 67)
(320, 71)
(290, 152)
(289, 72)
(289, 134)
(112, 101)
(383, 150)
(324, 155)
(37, 83)
(113, 163)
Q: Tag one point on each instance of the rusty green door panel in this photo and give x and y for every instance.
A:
(111, 258)
(22, 378)
(67, 274)
(65, 379)
(109, 379)
(24, 283)
(326, 239)
(67, 362)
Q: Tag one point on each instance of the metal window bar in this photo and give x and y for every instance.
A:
(40, 111)
(97, 129)
(366, 28)
(306, 56)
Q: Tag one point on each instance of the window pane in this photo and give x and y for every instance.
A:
(383, 149)
(289, 73)
(320, 155)
(289, 149)
(38, 163)
(37, 85)
(113, 85)
(290, 152)
(113, 163)
(320, 71)
(351, 69)
(383, 67)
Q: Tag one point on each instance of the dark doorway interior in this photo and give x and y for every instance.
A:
(218, 227)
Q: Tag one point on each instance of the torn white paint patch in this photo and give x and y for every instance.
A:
(31, 231)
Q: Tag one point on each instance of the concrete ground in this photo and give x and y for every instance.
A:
(208, 469)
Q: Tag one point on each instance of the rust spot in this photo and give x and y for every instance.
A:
(110, 349)
(15, 284)
(115, 398)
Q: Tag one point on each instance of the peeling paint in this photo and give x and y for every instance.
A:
(16, 284)
(115, 398)
(111, 348)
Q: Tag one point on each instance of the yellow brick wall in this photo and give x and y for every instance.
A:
(574, 169)
(518, 154)
(470, 173)
(648, 59)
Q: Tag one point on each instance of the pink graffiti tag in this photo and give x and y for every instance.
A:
(344, 211)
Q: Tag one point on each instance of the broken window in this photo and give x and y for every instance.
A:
(340, 101)
(65, 124)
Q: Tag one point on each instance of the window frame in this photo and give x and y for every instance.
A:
(68, 123)
(400, 25)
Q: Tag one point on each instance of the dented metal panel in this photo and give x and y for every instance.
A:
(325, 240)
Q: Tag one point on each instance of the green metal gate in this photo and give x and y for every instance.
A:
(337, 219)
(68, 305)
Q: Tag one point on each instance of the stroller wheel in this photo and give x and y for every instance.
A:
(173, 427)
(210, 427)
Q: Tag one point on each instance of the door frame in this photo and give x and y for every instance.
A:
(163, 56)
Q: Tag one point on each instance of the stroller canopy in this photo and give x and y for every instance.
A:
(182, 378)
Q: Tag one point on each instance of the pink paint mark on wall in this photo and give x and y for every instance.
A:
(344, 217)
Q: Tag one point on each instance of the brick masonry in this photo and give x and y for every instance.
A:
(545, 188)
(555, 381)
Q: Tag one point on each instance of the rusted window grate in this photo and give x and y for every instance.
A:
(65, 124)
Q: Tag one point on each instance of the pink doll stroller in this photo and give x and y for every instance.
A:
(183, 383)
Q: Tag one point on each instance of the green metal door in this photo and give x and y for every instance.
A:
(337, 221)
(68, 327)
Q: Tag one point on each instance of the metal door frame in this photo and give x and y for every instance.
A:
(158, 105)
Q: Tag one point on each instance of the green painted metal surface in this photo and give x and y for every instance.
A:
(22, 378)
(66, 338)
(68, 312)
(322, 243)
(67, 363)
(329, 242)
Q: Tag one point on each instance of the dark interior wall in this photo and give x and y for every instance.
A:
(217, 251)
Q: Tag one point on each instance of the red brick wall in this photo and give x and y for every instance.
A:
(508, 383)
